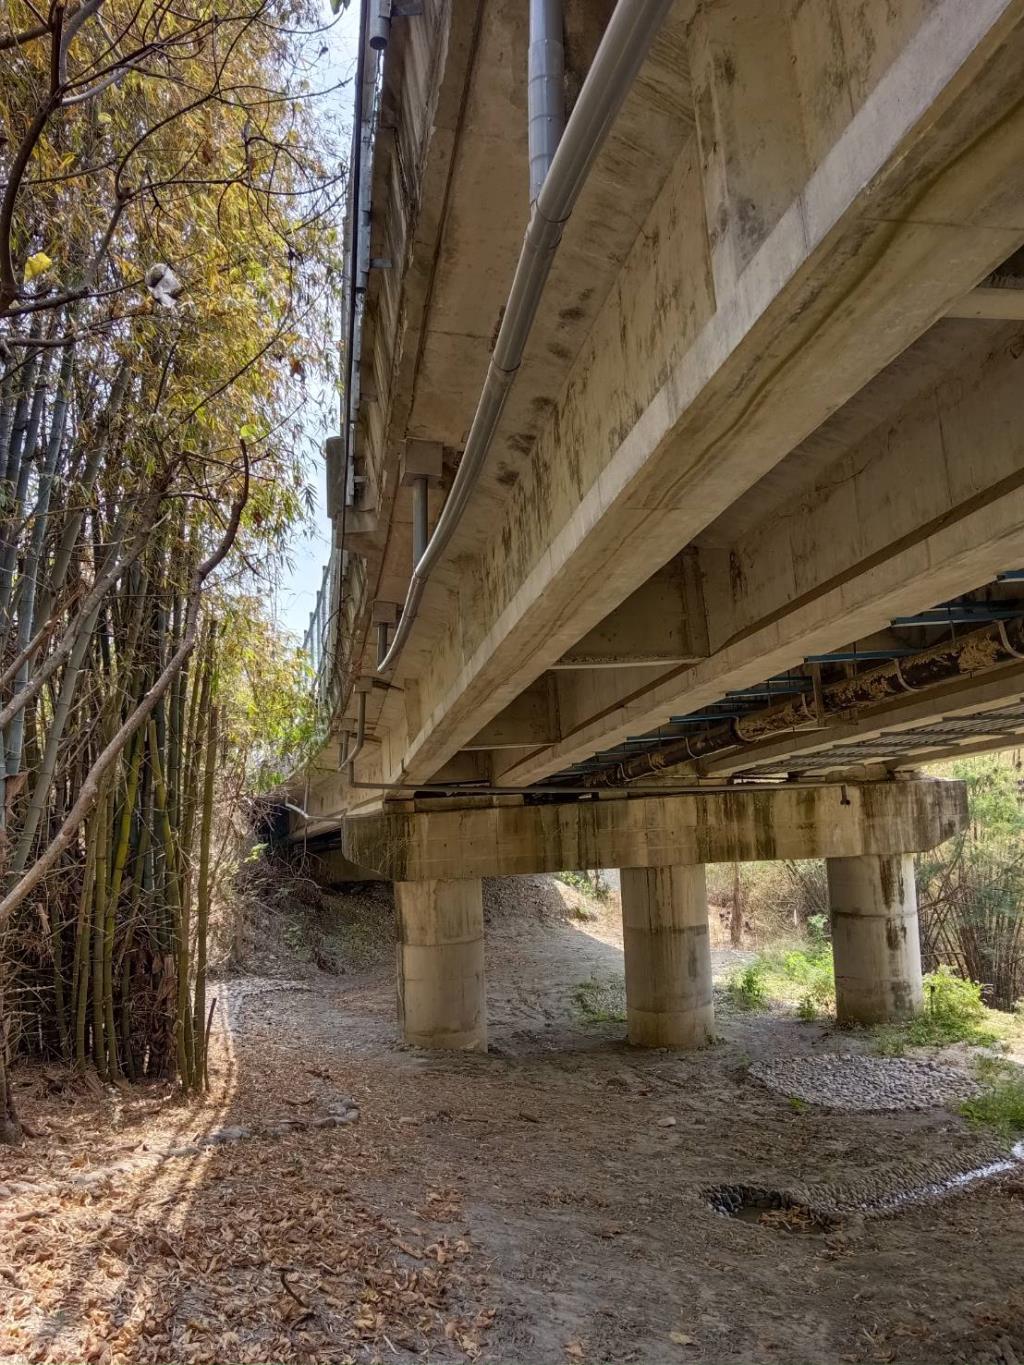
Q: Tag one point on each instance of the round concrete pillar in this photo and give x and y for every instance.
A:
(875, 939)
(668, 956)
(441, 991)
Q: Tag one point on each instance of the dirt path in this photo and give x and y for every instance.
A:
(581, 1166)
(543, 1203)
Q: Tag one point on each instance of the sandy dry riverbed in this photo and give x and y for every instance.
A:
(545, 1202)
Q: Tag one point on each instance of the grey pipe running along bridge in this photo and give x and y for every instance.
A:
(677, 502)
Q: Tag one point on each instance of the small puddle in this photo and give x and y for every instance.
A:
(768, 1208)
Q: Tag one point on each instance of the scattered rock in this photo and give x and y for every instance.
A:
(852, 1082)
(666, 1123)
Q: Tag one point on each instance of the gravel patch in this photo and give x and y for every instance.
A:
(865, 1083)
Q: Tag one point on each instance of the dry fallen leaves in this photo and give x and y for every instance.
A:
(250, 1251)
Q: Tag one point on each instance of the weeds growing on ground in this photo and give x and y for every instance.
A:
(953, 1013)
(747, 987)
(795, 976)
(1001, 1103)
(600, 1001)
(589, 883)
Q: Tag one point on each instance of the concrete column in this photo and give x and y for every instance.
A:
(441, 993)
(875, 939)
(668, 956)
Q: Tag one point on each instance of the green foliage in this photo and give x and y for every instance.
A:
(590, 882)
(748, 988)
(178, 145)
(265, 683)
(952, 1002)
(1001, 1103)
(819, 928)
(953, 1013)
(797, 976)
(971, 889)
(993, 796)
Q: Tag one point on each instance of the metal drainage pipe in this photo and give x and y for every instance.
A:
(351, 755)
(545, 97)
(626, 42)
(1000, 643)
(420, 535)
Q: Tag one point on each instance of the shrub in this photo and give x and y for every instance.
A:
(590, 882)
(953, 1013)
(1001, 1104)
(747, 987)
(952, 1001)
(799, 976)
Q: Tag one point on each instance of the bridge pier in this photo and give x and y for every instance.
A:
(667, 953)
(441, 984)
(875, 941)
(436, 851)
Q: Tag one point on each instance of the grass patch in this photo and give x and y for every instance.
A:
(1000, 1105)
(600, 1001)
(953, 1013)
(800, 977)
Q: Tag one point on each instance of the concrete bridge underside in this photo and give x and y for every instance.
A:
(753, 513)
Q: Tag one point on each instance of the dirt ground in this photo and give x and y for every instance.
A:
(544, 1202)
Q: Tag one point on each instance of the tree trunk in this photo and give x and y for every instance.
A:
(736, 922)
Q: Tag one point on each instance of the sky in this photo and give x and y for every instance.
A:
(297, 590)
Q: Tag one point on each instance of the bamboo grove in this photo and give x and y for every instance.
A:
(166, 257)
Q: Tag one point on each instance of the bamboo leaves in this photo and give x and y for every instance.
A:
(166, 249)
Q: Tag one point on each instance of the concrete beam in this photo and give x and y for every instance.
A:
(926, 504)
(425, 840)
(661, 431)
(663, 623)
(1002, 304)
(965, 696)
(531, 719)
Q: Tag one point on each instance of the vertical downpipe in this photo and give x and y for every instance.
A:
(546, 88)
(420, 537)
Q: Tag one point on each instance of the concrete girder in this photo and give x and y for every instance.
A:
(990, 303)
(925, 506)
(965, 696)
(858, 263)
(433, 840)
(663, 622)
